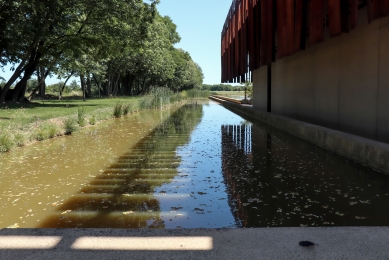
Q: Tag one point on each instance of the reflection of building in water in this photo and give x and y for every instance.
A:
(236, 163)
(123, 196)
(240, 136)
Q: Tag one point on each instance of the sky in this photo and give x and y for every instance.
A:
(199, 23)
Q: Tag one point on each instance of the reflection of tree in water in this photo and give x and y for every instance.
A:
(123, 195)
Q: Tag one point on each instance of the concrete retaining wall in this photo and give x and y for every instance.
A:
(368, 152)
(342, 83)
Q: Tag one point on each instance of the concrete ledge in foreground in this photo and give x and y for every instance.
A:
(366, 151)
(268, 243)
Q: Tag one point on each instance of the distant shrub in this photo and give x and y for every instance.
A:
(196, 93)
(69, 126)
(118, 110)
(81, 116)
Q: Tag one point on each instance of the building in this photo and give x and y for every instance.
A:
(325, 62)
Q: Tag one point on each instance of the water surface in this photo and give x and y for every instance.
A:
(200, 166)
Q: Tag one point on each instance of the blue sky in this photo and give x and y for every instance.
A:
(199, 23)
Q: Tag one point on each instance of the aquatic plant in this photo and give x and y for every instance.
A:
(81, 116)
(45, 131)
(197, 93)
(52, 130)
(6, 142)
(160, 97)
(156, 98)
(145, 102)
(69, 126)
(118, 110)
(126, 108)
(19, 139)
(92, 120)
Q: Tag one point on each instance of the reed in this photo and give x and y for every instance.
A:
(81, 116)
(69, 126)
(118, 110)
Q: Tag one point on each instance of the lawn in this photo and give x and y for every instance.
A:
(21, 113)
(22, 123)
(230, 93)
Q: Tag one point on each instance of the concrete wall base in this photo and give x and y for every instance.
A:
(368, 152)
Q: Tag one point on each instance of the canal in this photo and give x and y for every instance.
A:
(198, 166)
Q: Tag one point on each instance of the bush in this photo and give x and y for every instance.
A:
(126, 109)
(69, 126)
(81, 116)
(19, 139)
(145, 102)
(45, 131)
(196, 93)
(6, 142)
(117, 110)
(52, 130)
(92, 120)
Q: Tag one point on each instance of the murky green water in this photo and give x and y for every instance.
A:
(198, 166)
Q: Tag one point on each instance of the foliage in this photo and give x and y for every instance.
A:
(81, 116)
(92, 120)
(126, 108)
(248, 89)
(221, 87)
(6, 142)
(19, 139)
(45, 131)
(118, 110)
(69, 126)
(196, 93)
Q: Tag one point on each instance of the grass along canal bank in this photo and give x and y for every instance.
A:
(25, 123)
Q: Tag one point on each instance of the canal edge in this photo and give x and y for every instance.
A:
(365, 151)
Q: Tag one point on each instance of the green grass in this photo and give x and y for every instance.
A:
(21, 123)
(229, 93)
(46, 109)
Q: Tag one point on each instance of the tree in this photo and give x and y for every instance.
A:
(42, 31)
(247, 88)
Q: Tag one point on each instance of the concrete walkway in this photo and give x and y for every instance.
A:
(267, 243)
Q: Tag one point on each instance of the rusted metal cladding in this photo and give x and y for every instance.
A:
(266, 46)
(334, 17)
(285, 28)
(316, 21)
(255, 29)
(353, 19)
(377, 9)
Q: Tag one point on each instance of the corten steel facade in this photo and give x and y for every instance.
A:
(324, 62)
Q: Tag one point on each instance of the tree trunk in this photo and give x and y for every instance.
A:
(15, 75)
(83, 88)
(88, 86)
(41, 80)
(98, 83)
(42, 90)
(20, 88)
(115, 88)
(64, 85)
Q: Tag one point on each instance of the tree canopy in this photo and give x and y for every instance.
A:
(115, 46)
